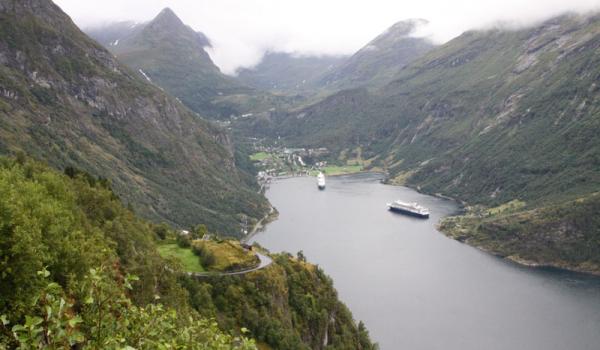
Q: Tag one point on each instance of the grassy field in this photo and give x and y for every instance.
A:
(259, 156)
(338, 170)
(189, 260)
(228, 255)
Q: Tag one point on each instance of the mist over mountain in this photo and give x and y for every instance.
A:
(172, 55)
(241, 37)
(377, 62)
(289, 73)
(68, 101)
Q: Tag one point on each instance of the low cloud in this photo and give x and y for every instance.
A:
(243, 30)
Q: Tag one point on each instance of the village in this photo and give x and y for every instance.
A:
(280, 162)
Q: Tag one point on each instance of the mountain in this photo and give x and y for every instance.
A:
(170, 54)
(66, 100)
(489, 118)
(281, 72)
(378, 61)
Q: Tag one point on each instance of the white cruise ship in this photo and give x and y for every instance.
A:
(412, 209)
(321, 181)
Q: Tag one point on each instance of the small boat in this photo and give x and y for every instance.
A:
(412, 209)
(321, 181)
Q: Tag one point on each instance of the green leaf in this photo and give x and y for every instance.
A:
(18, 328)
(75, 321)
(45, 273)
(33, 321)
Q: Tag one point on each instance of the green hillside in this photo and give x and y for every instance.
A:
(379, 61)
(78, 269)
(66, 100)
(487, 118)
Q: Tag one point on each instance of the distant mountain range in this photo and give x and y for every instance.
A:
(282, 72)
(66, 100)
(488, 118)
(373, 65)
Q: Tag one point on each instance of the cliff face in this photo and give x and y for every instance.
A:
(291, 304)
(66, 100)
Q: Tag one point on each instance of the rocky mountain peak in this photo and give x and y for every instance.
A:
(167, 24)
(167, 19)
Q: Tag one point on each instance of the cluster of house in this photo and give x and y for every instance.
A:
(288, 159)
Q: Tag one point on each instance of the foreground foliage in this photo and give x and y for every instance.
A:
(105, 318)
(68, 247)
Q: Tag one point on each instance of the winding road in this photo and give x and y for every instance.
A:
(264, 261)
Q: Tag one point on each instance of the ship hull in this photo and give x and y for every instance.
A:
(321, 187)
(408, 212)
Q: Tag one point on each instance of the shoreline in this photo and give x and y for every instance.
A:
(515, 259)
(284, 177)
(262, 223)
(511, 258)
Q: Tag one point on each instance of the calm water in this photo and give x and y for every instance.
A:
(417, 289)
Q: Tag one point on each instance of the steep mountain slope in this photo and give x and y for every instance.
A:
(171, 54)
(490, 117)
(68, 101)
(378, 61)
(281, 72)
(111, 34)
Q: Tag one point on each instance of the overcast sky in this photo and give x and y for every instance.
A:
(242, 30)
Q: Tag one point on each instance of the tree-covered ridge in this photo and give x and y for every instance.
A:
(565, 235)
(68, 245)
(69, 226)
(66, 100)
(289, 305)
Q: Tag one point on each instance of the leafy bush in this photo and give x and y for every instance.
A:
(207, 258)
(183, 241)
(105, 318)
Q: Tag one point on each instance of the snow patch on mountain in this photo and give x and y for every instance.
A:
(145, 75)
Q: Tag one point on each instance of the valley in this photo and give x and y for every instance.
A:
(488, 118)
(145, 191)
